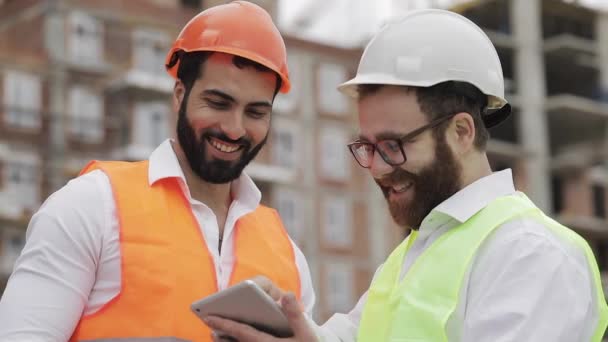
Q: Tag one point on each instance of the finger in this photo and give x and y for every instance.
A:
(239, 331)
(217, 337)
(268, 287)
(298, 322)
(221, 338)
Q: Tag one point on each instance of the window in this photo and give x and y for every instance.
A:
(191, 3)
(13, 241)
(288, 204)
(150, 48)
(86, 115)
(599, 201)
(150, 124)
(557, 186)
(21, 181)
(337, 222)
(330, 99)
(339, 285)
(601, 251)
(334, 154)
(85, 40)
(285, 151)
(22, 99)
(286, 103)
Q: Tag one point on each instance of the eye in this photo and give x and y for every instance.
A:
(391, 146)
(256, 114)
(217, 104)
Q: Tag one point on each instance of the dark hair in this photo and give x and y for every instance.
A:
(443, 99)
(190, 68)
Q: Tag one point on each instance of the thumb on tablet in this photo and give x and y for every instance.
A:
(267, 285)
(298, 322)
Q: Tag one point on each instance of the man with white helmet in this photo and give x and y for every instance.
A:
(482, 262)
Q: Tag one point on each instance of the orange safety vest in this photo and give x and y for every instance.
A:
(165, 263)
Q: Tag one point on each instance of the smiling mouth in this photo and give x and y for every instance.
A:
(223, 147)
(399, 188)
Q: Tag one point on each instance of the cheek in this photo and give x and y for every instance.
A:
(419, 155)
(201, 118)
(199, 125)
(257, 129)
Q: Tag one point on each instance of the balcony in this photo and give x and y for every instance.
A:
(133, 152)
(579, 196)
(17, 124)
(593, 227)
(580, 156)
(270, 173)
(572, 127)
(577, 104)
(12, 211)
(561, 17)
(92, 135)
(139, 79)
(507, 150)
(572, 46)
(21, 186)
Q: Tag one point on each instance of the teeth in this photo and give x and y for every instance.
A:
(402, 187)
(399, 188)
(222, 147)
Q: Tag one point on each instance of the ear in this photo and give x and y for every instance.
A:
(461, 133)
(179, 90)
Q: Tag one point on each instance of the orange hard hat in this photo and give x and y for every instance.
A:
(239, 28)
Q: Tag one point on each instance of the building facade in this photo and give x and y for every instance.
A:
(82, 80)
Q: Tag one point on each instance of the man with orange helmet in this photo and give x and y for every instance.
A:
(123, 250)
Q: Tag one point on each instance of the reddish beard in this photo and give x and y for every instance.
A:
(432, 185)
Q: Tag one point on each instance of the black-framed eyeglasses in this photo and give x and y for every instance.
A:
(391, 150)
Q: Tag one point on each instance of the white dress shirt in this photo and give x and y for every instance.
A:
(70, 264)
(524, 283)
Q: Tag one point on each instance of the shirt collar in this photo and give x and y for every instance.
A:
(164, 164)
(477, 195)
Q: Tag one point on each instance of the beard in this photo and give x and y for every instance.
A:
(432, 185)
(212, 170)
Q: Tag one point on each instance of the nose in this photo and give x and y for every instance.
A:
(232, 125)
(379, 167)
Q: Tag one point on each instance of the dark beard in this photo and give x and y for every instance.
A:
(214, 171)
(432, 185)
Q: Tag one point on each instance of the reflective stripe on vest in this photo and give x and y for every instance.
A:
(429, 292)
(165, 264)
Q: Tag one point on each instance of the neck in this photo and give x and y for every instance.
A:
(477, 167)
(215, 196)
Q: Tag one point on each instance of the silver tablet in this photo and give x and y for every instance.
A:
(247, 303)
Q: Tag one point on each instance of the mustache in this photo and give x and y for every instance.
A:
(397, 176)
(221, 136)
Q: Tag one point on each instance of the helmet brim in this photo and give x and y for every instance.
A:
(493, 118)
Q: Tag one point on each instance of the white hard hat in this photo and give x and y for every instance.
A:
(427, 47)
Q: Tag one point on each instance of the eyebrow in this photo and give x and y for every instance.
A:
(219, 93)
(226, 97)
(389, 135)
(383, 136)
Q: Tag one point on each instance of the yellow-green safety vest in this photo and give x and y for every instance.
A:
(428, 294)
